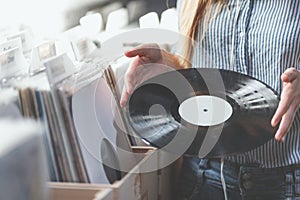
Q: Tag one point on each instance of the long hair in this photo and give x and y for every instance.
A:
(193, 15)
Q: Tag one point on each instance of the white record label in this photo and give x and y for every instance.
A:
(205, 110)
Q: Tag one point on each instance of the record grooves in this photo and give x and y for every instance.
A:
(203, 112)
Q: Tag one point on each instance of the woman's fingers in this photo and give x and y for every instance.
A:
(289, 75)
(144, 54)
(136, 52)
(129, 81)
(286, 122)
(283, 106)
(124, 97)
(150, 51)
(289, 103)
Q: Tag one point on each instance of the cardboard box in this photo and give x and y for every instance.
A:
(77, 191)
(141, 183)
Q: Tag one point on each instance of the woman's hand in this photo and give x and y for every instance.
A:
(289, 103)
(149, 60)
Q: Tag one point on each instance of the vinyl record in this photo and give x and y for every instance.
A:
(203, 112)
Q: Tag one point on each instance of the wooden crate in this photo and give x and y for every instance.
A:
(135, 185)
(76, 191)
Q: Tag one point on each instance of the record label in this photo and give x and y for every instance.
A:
(205, 110)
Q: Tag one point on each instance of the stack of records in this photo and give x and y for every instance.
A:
(87, 139)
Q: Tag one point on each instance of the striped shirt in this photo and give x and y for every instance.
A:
(260, 38)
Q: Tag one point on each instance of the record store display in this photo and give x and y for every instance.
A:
(203, 112)
(86, 137)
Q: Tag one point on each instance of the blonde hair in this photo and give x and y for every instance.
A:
(193, 15)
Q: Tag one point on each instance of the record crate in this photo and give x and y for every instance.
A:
(152, 185)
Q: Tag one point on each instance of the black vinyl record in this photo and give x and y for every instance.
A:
(203, 112)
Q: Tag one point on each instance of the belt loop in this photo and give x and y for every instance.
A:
(297, 181)
(204, 163)
(289, 182)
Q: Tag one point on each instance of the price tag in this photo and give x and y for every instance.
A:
(82, 48)
(59, 68)
(46, 50)
(7, 60)
(41, 53)
(10, 44)
(12, 63)
(26, 38)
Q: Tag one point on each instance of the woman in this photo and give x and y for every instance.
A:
(257, 38)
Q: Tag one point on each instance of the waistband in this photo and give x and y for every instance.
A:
(217, 161)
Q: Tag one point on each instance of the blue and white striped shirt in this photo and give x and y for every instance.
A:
(260, 38)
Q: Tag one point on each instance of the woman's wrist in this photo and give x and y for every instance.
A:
(171, 60)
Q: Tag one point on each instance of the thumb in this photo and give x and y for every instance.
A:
(136, 52)
(289, 75)
(124, 97)
(146, 50)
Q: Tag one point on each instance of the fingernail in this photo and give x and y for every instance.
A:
(273, 122)
(277, 137)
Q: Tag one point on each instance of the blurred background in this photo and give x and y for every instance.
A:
(48, 18)
(45, 44)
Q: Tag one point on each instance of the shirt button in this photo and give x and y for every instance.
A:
(242, 34)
